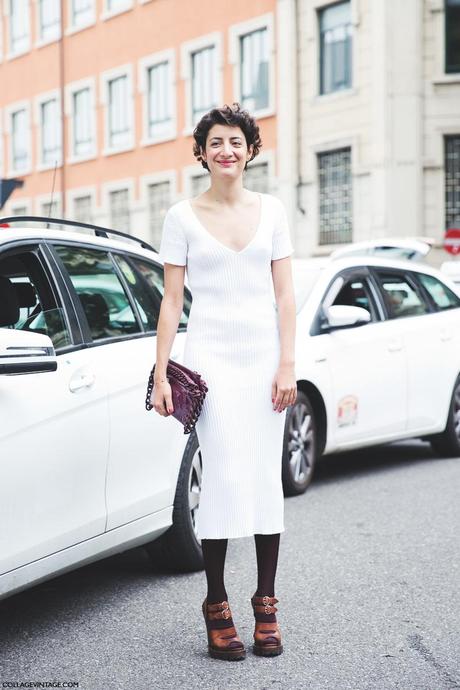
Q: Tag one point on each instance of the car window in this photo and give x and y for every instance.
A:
(148, 301)
(355, 292)
(102, 296)
(400, 296)
(29, 302)
(154, 278)
(441, 295)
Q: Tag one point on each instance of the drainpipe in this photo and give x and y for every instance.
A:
(63, 123)
(298, 65)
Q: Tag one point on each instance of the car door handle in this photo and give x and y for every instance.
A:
(394, 346)
(80, 381)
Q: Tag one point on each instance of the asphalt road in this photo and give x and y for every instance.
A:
(368, 583)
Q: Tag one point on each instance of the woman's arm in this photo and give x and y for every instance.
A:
(284, 389)
(170, 312)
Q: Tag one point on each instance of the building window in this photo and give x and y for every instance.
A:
(159, 100)
(204, 81)
(50, 130)
(452, 27)
(335, 46)
(452, 181)
(20, 137)
(335, 190)
(119, 121)
(159, 196)
(82, 209)
(83, 144)
(82, 12)
(49, 18)
(256, 177)
(119, 210)
(199, 184)
(254, 70)
(19, 26)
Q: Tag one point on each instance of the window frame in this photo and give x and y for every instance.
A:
(436, 308)
(105, 79)
(70, 91)
(186, 50)
(320, 57)
(41, 41)
(72, 26)
(10, 111)
(448, 69)
(12, 53)
(144, 65)
(39, 102)
(235, 32)
(408, 277)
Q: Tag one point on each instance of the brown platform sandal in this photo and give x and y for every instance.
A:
(267, 635)
(218, 645)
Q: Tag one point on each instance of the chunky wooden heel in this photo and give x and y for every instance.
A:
(223, 643)
(267, 635)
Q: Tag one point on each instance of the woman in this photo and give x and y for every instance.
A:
(236, 246)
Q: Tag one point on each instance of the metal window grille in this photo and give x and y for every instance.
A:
(452, 181)
(256, 177)
(204, 81)
(254, 69)
(82, 129)
(82, 209)
(335, 196)
(119, 210)
(159, 99)
(335, 45)
(200, 183)
(159, 196)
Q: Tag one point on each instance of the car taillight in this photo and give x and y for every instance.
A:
(4, 225)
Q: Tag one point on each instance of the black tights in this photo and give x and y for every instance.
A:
(214, 552)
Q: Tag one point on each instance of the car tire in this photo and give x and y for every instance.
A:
(447, 443)
(179, 549)
(300, 446)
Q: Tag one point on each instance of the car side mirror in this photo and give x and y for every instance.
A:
(342, 315)
(25, 352)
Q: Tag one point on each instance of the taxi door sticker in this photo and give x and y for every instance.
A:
(347, 411)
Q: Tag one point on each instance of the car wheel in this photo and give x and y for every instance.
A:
(448, 443)
(300, 446)
(179, 548)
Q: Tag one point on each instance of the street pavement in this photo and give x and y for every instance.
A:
(368, 589)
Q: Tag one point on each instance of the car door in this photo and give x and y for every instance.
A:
(54, 426)
(433, 346)
(119, 315)
(367, 366)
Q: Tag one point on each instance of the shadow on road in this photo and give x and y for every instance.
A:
(383, 458)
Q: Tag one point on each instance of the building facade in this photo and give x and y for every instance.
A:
(358, 102)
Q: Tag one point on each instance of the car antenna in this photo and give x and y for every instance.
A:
(52, 194)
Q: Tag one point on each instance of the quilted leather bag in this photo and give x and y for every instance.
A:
(188, 393)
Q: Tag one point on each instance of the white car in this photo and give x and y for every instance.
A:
(85, 470)
(377, 360)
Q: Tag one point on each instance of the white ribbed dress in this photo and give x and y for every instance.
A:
(233, 342)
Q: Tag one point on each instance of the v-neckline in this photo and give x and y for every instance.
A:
(221, 244)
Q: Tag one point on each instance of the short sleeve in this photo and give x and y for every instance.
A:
(173, 245)
(282, 245)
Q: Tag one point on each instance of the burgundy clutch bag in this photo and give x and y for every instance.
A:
(188, 393)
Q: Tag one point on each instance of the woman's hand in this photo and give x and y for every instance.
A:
(284, 387)
(161, 398)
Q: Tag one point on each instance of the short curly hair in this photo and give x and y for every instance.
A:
(227, 115)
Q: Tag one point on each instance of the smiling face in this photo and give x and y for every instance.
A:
(226, 151)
